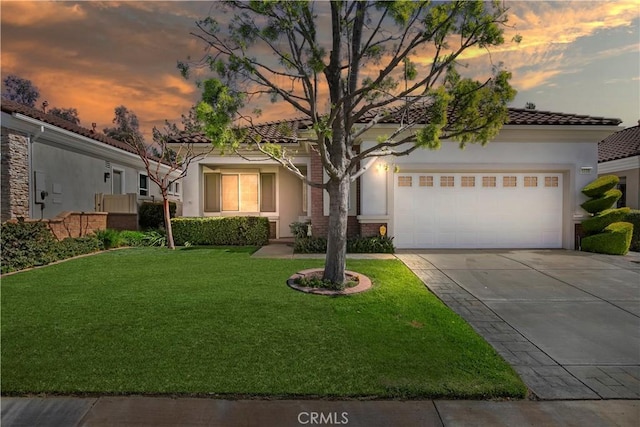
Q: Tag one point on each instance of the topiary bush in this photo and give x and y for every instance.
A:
(615, 240)
(601, 185)
(598, 222)
(605, 201)
(151, 215)
(606, 234)
(633, 217)
(221, 231)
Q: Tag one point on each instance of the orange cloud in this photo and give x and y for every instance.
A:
(25, 14)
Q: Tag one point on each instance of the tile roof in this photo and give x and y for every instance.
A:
(517, 116)
(620, 145)
(12, 107)
(272, 131)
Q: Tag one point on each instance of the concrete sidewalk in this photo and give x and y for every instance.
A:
(165, 411)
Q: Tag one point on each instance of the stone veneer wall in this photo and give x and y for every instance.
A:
(14, 165)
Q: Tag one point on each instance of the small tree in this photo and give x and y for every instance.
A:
(168, 160)
(20, 90)
(343, 64)
(68, 114)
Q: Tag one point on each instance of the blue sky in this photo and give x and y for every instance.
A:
(576, 57)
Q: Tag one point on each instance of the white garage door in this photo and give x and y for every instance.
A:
(478, 210)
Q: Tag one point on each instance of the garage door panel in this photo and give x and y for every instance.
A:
(478, 215)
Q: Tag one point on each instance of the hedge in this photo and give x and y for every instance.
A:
(355, 245)
(615, 240)
(29, 244)
(221, 231)
(602, 203)
(601, 185)
(597, 223)
(633, 217)
(151, 215)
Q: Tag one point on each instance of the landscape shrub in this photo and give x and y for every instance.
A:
(221, 231)
(30, 244)
(615, 240)
(26, 244)
(143, 238)
(151, 215)
(633, 217)
(601, 185)
(603, 202)
(299, 229)
(74, 246)
(598, 222)
(361, 245)
(110, 238)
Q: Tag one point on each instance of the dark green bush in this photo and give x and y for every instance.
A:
(151, 215)
(601, 185)
(633, 217)
(606, 201)
(221, 231)
(310, 245)
(26, 244)
(600, 221)
(299, 229)
(30, 244)
(615, 240)
(74, 246)
(355, 245)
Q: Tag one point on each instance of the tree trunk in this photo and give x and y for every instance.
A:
(167, 222)
(335, 261)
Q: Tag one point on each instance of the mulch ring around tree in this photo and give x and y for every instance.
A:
(359, 283)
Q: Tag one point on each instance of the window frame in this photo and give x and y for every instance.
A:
(146, 189)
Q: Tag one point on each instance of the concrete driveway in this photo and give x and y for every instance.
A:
(568, 322)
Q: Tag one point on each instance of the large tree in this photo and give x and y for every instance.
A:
(342, 64)
(126, 126)
(20, 90)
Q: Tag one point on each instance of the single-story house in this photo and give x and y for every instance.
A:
(619, 154)
(51, 166)
(522, 190)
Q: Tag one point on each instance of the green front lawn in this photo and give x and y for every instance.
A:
(217, 322)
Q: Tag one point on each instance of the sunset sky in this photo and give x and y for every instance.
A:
(575, 57)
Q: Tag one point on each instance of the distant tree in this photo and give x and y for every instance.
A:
(530, 106)
(20, 90)
(126, 126)
(176, 160)
(68, 114)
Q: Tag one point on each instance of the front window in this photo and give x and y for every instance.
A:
(240, 192)
(143, 185)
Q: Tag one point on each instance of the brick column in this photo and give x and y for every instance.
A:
(14, 199)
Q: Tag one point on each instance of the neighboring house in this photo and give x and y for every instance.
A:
(619, 154)
(522, 190)
(51, 166)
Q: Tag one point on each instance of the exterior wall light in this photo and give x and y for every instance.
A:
(107, 175)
